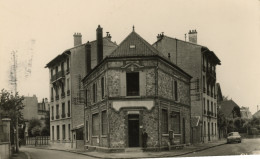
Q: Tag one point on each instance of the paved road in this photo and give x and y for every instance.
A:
(247, 147)
(52, 154)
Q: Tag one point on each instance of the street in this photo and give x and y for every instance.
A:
(247, 147)
(51, 154)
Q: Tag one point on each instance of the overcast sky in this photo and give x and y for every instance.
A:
(40, 30)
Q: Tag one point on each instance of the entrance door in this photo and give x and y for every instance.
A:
(133, 130)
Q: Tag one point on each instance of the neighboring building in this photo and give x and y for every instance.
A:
(245, 113)
(200, 63)
(30, 110)
(66, 106)
(34, 110)
(228, 107)
(136, 88)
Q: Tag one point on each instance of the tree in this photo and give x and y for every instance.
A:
(46, 130)
(236, 112)
(222, 123)
(34, 127)
(11, 106)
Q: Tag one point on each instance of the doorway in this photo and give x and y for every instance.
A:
(183, 131)
(133, 130)
(208, 131)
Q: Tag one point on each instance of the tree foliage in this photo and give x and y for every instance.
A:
(11, 106)
(34, 127)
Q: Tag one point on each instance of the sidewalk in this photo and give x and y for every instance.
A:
(20, 155)
(126, 155)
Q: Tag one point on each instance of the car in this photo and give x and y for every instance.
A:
(234, 137)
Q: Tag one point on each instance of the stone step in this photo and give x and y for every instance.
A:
(134, 149)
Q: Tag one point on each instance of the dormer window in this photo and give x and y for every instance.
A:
(132, 46)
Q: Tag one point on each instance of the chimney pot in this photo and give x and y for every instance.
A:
(193, 36)
(77, 39)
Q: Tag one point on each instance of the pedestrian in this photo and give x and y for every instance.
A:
(144, 138)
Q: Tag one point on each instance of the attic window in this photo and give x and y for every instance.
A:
(132, 46)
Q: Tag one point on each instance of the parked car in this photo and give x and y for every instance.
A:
(234, 137)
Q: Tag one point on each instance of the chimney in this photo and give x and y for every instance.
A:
(99, 44)
(160, 36)
(193, 36)
(109, 36)
(88, 57)
(77, 39)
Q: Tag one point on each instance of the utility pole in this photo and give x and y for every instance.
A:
(14, 81)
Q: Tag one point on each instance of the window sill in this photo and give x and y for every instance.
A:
(103, 136)
(132, 96)
(165, 134)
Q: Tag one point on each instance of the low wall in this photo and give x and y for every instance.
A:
(5, 151)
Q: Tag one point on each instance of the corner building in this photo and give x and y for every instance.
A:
(200, 63)
(66, 106)
(132, 89)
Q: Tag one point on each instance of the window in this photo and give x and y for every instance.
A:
(212, 132)
(58, 132)
(57, 109)
(51, 72)
(94, 93)
(102, 87)
(95, 125)
(132, 84)
(204, 128)
(62, 67)
(176, 90)
(69, 131)
(212, 107)
(56, 70)
(175, 122)
(104, 122)
(86, 97)
(68, 64)
(52, 111)
(68, 108)
(164, 121)
(63, 132)
(68, 85)
(204, 105)
(207, 105)
(87, 137)
(215, 129)
(63, 110)
(52, 134)
(51, 92)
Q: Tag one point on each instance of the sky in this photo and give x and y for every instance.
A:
(40, 30)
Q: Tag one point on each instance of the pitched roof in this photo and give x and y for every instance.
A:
(257, 114)
(134, 45)
(227, 106)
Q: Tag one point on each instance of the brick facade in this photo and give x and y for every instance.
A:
(156, 78)
(189, 56)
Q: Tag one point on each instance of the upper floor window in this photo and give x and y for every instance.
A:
(62, 66)
(102, 87)
(94, 93)
(68, 65)
(176, 90)
(56, 70)
(132, 84)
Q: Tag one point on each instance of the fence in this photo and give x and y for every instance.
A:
(38, 140)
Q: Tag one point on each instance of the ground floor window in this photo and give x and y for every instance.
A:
(63, 132)
(69, 131)
(95, 125)
(175, 122)
(104, 122)
(52, 134)
(87, 131)
(164, 121)
(58, 132)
